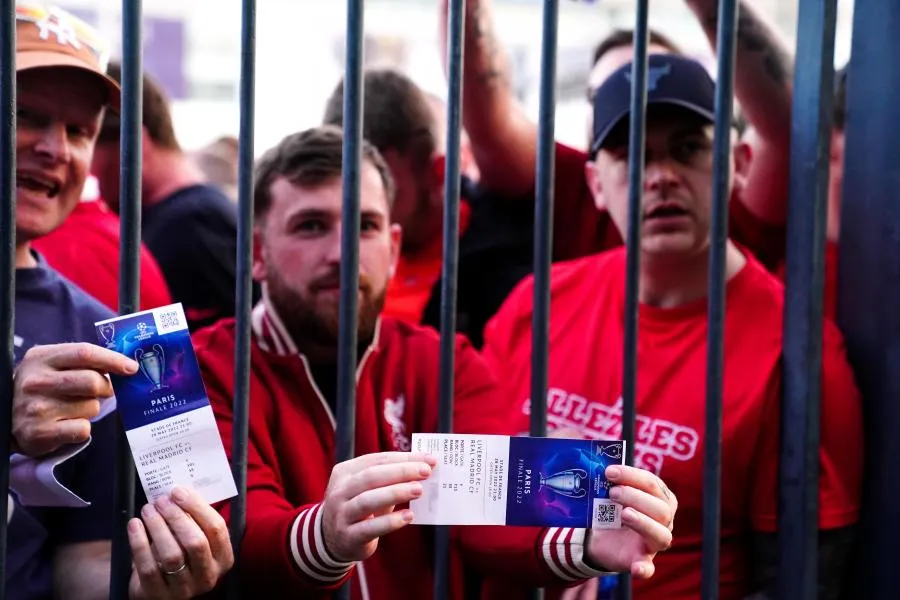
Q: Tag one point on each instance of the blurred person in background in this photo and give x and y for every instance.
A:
(409, 130)
(218, 161)
(399, 121)
(504, 138)
(467, 166)
(85, 249)
(189, 225)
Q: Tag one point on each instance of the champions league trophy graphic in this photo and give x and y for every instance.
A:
(153, 365)
(108, 332)
(566, 483)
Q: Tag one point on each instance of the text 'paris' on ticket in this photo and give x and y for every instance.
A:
(522, 481)
(164, 406)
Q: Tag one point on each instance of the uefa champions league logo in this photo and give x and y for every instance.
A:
(108, 333)
(568, 483)
(613, 451)
(153, 365)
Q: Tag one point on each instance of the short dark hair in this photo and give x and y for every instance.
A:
(156, 117)
(618, 38)
(840, 98)
(310, 158)
(396, 114)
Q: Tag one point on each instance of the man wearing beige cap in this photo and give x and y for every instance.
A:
(63, 405)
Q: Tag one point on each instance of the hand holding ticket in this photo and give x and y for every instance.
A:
(361, 497)
(550, 482)
(501, 480)
(648, 518)
(168, 420)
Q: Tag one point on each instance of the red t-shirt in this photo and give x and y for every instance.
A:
(580, 229)
(85, 249)
(585, 371)
(410, 289)
(831, 280)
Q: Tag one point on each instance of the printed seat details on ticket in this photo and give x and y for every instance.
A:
(522, 481)
(164, 407)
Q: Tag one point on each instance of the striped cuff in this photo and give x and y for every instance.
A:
(308, 548)
(563, 550)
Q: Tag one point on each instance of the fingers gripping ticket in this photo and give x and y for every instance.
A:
(309, 552)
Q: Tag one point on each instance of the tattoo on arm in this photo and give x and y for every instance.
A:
(491, 71)
(754, 36)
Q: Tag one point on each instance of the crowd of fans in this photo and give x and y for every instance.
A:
(313, 525)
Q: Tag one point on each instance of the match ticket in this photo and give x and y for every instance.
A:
(168, 420)
(523, 481)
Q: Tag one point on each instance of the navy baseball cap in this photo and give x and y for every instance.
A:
(671, 79)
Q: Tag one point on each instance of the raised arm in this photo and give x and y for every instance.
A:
(763, 86)
(503, 138)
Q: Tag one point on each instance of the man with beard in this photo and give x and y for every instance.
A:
(311, 523)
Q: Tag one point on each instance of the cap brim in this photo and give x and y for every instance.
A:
(698, 110)
(45, 60)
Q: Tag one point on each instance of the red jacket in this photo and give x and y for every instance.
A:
(291, 454)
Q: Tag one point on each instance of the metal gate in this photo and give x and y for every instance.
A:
(869, 305)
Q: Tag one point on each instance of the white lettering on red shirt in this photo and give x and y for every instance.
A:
(655, 439)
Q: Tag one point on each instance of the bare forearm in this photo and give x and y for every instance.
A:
(764, 68)
(503, 138)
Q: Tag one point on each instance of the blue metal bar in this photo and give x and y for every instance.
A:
(543, 226)
(637, 134)
(803, 311)
(352, 156)
(450, 265)
(7, 250)
(543, 220)
(712, 466)
(244, 292)
(129, 267)
(869, 281)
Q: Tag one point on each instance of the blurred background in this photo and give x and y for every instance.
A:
(193, 48)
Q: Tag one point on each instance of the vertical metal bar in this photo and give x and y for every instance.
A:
(712, 466)
(352, 156)
(869, 281)
(543, 220)
(543, 226)
(638, 128)
(244, 292)
(7, 250)
(129, 267)
(803, 311)
(450, 265)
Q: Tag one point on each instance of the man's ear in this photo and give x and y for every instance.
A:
(593, 182)
(437, 173)
(259, 262)
(743, 157)
(396, 233)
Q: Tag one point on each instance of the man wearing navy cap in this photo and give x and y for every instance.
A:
(586, 348)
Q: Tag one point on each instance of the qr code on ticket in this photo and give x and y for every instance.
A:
(169, 318)
(606, 514)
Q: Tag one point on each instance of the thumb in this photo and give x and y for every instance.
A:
(642, 569)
